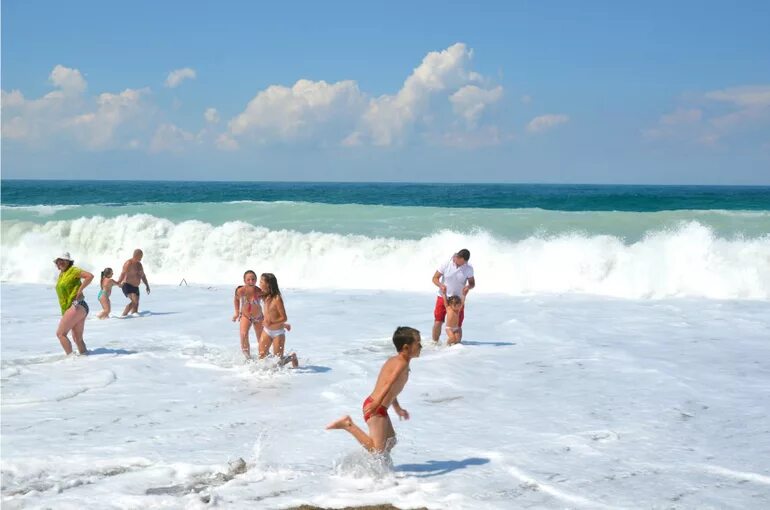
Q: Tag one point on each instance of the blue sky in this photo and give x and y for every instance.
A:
(567, 92)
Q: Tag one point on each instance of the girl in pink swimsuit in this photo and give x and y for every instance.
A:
(248, 310)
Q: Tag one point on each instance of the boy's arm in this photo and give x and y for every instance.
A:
(400, 411)
(379, 394)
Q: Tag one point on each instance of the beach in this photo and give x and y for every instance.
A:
(610, 358)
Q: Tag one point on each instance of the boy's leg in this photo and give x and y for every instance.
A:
(378, 431)
(453, 337)
(135, 302)
(77, 335)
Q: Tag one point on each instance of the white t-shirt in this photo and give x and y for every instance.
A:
(454, 277)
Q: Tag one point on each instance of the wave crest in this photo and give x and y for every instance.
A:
(687, 261)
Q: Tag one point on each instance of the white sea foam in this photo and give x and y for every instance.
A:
(582, 402)
(689, 260)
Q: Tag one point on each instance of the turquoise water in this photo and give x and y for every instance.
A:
(484, 196)
(625, 241)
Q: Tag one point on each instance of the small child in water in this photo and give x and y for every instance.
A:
(106, 284)
(454, 307)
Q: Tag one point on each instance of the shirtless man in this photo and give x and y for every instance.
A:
(390, 382)
(130, 278)
(274, 325)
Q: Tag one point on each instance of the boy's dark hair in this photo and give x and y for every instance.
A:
(452, 300)
(404, 335)
(249, 272)
(464, 254)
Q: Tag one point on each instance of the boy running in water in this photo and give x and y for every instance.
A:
(392, 379)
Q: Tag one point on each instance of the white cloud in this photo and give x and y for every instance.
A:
(526, 99)
(170, 138)
(547, 122)
(97, 129)
(432, 97)
(177, 76)
(302, 111)
(470, 101)
(70, 81)
(211, 115)
(389, 117)
(747, 96)
(66, 115)
(708, 124)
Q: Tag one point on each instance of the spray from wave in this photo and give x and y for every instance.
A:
(689, 260)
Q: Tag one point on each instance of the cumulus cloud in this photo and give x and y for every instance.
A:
(438, 91)
(470, 101)
(65, 114)
(547, 122)
(301, 111)
(177, 76)
(70, 81)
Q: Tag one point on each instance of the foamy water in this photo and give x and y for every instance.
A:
(553, 402)
(688, 260)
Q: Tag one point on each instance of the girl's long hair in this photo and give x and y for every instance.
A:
(272, 285)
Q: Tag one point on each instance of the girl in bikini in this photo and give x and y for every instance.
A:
(248, 310)
(275, 322)
(105, 290)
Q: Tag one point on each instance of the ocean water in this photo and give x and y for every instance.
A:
(622, 241)
(614, 352)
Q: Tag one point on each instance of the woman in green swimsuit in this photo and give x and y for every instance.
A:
(74, 309)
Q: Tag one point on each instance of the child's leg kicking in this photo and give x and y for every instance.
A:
(375, 441)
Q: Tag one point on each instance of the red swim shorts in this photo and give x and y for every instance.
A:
(380, 411)
(439, 313)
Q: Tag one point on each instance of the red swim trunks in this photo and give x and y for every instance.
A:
(439, 313)
(380, 411)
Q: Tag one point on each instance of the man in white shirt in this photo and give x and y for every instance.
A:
(455, 278)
